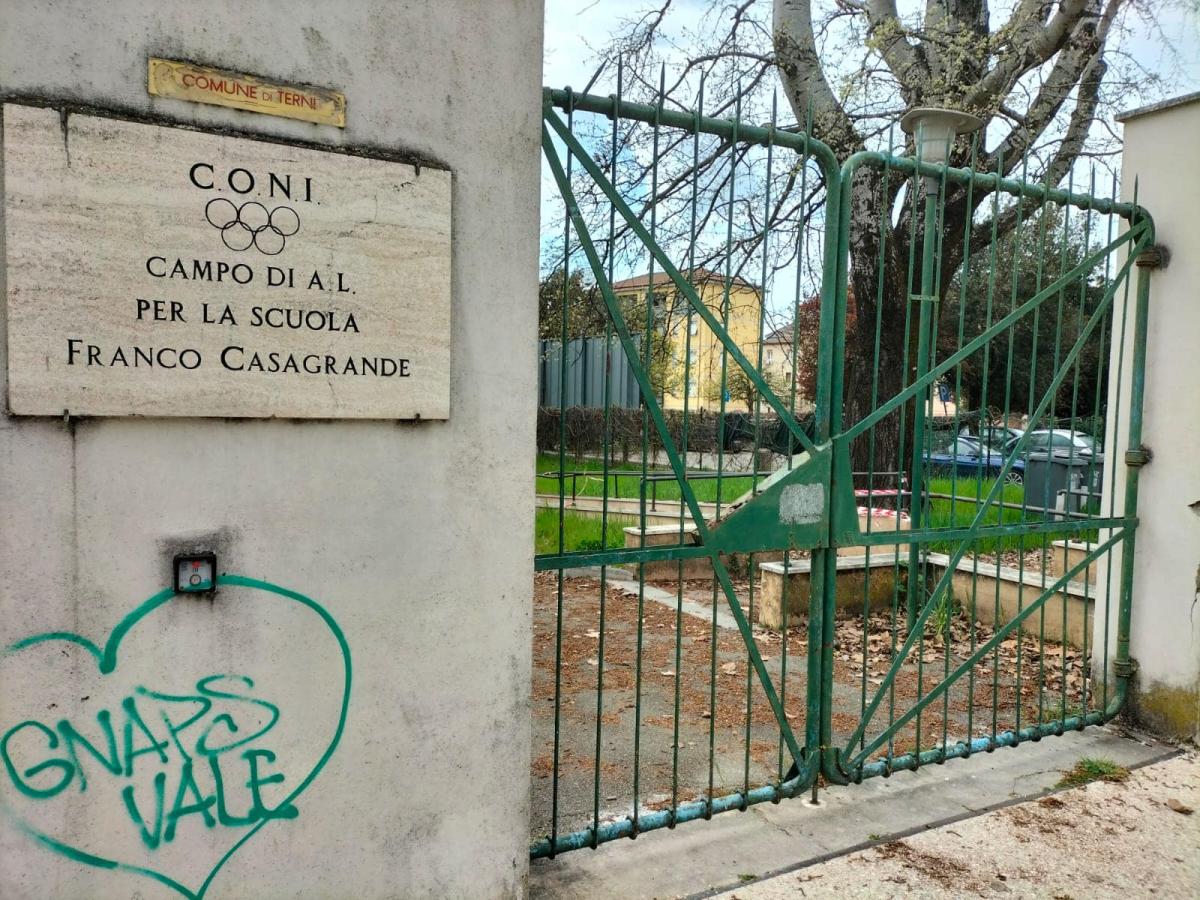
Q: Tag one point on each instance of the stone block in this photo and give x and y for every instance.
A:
(791, 591)
(875, 520)
(1066, 554)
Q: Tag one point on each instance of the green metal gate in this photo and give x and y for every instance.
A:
(936, 604)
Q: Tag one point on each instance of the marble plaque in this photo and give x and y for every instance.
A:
(160, 271)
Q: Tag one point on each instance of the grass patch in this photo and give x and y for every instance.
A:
(1050, 716)
(961, 512)
(580, 532)
(628, 485)
(624, 481)
(947, 610)
(1093, 769)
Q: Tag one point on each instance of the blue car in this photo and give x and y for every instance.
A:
(967, 456)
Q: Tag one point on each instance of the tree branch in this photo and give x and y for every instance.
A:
(1031, 41)
(1084, 51)
(889, 37)
(804, 78)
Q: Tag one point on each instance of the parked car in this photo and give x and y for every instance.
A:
(997, 437)
(1060, 441)
(1000, 436)
(967, 455)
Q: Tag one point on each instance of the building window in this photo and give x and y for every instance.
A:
(770, 356)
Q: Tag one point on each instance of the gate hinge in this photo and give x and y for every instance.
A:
(1125, 668)
(1138, 456)
(1156, 257)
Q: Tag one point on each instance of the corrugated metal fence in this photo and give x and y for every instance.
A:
(587, 362)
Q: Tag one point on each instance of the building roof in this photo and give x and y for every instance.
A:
(781, 335)
(698, 275)
(1158, 107)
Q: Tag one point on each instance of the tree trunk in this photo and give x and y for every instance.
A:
(877, 308)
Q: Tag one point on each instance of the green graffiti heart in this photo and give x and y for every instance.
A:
(107, 660)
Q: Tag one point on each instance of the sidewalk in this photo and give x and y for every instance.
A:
(701, 859)
(1132, 839)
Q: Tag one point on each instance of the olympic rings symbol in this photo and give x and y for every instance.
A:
(251, 225)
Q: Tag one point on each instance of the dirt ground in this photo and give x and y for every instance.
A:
(614, 741)
(1138, 838)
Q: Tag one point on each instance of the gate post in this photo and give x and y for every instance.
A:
(1164, 628)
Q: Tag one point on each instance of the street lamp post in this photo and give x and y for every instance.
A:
(935, 131)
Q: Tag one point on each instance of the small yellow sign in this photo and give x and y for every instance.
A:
(204, 84)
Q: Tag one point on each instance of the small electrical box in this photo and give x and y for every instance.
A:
(195, 573)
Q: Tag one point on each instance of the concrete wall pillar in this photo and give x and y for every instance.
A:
(413, 537)
(1159, 158)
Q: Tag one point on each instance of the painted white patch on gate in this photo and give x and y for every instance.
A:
(801, 504)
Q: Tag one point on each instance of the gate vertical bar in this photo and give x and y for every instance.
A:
(916, 487)
(827, 421)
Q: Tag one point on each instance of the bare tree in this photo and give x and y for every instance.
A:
(1044, 75)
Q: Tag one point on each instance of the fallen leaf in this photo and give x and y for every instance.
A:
(1179, 807)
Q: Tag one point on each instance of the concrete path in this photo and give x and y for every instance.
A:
(669, 599)
(624, 580)
(662, 512)
(1136, 839)
(702, 858)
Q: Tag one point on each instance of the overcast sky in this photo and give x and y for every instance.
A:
(576, 30)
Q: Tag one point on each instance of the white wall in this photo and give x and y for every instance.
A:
(1165, 629)
(415, 538)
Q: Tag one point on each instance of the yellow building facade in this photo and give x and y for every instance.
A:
(688, 335)
(779, 354)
